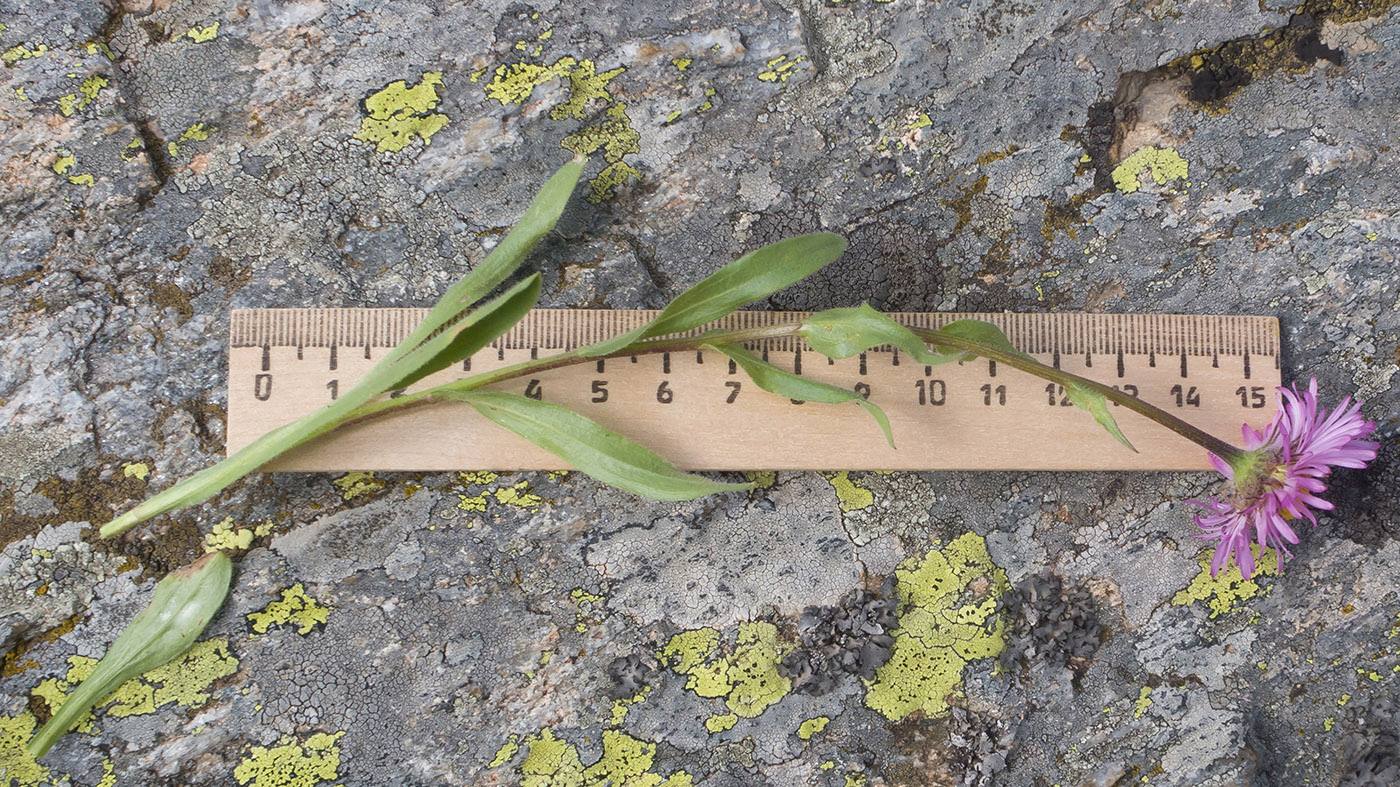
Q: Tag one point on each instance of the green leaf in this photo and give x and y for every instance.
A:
(598, 452)
(754, 276)
(184, 603)
(982, 332)
(504, 259)
(1093, 401)
(470, 334)
(1084, 398)
(841, 333)
(774, 380)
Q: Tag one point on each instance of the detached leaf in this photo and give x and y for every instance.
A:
(991, 336)
(774, 380)
(754, 276)
(184, 603)
(841, 333)
(1097, 405)
(598, 452)
(470, 334)
(503, 260)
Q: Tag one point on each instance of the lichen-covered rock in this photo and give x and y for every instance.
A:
(163, 162)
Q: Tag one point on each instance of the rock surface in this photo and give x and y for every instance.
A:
(166, 161)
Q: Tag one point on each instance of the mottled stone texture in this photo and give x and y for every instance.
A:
(165, 161)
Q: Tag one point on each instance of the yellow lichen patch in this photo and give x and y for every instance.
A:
(761, 479)
(353, 485)
(294, 608)
(811, 727)
(855, 779)
(718, 724)
(292, 763)
(1144, 701)
(1163, 164)
(19, 91)
(780, 68)
(850, 496)
(923, 121)
(947, 619)
(681, 63)
(585, 85)
(17, 767)
(64, 162)
(626, 762)
(184, 681)
(87, 93)
(507, 751)
(519, 496)
(1224, 592)
(590, 608)
(747, 678)
(398, 113)
(616, 138)
(17, 53)
(197, 132)
(84, 179)
(618, 714)
(201, 35)
(227, 538)
(138, 470)
(54, 691)
(109, 773)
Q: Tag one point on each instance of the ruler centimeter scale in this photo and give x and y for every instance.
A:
(698, 411)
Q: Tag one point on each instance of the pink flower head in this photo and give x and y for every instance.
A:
(1293, 454)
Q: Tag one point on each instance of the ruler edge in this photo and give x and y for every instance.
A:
(272, 327)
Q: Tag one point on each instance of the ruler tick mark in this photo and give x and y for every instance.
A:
(733, 367)
(333, 360)
(501, 353)
(862, 363)
(299, 357)
(367, 352)
(797, 362)
(534, 353)
(1088, 359)
(699, 356)
(634, 358)
(1055, 361)
(1152, 359)
(1121, 370)
(991, 368)
(1215, 361)
(1246, 366)
(266, 357)
(1183, 364)
(600, 366)
(467, 364)
(894, 358)
(665, 363)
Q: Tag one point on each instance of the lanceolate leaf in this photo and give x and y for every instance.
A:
(989, 335)
(472, 333)
(503, 260)
(754, 276)
(603, 454)
(774, 380)
(184, 603)
(841, 333)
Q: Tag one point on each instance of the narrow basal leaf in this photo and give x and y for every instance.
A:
(989, 335)
(504, 259)
(598, 452)
(841, 333)
(1097, 405)
(775, 380)
(184, 603)
(754, 276)
(470, 334)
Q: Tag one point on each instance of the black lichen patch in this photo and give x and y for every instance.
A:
(1051, 622)
(850, 638)
(630, 674)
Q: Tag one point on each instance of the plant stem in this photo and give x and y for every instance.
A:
(1025, 363)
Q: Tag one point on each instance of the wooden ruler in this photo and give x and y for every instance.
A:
(698, 411)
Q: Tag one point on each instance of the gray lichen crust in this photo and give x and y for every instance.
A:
(165, 162)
